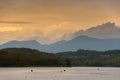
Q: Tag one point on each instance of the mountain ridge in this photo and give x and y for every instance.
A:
(88, 40)
(81, 42)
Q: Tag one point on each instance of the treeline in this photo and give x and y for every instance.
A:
(28, 57)
(93, 58)
(22, 57)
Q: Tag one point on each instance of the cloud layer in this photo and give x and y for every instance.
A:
(15, 22)
(50, 20)
(103, 31)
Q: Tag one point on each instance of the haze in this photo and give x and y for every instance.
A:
(48, 21)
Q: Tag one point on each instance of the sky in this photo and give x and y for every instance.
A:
(48, 21)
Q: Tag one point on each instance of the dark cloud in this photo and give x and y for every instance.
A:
(15, 22)
(33, 3)
(26, 5)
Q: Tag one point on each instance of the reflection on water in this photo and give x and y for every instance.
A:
(74, 73)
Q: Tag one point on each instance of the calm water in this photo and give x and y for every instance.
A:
(75, 73)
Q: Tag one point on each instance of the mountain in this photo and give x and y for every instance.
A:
(88, 43)
(80, 42)
(104, 31)
(101, 38)
(33, 44)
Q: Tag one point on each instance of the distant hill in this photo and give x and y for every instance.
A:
(33, 44)
(80, 42)
(87, 43)
(101, 38)
(25, 44)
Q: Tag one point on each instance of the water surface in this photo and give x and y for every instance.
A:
(74, 73)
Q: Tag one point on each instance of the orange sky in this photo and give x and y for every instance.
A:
(49, 20)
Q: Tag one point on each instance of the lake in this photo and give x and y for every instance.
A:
(63, 73)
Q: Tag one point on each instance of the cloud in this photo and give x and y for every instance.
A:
(15, 22)
(53, 18)
(104, 31)
(46, 35)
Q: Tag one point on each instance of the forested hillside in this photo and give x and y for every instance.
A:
(27, 57)
(93, 58)
(22, 57)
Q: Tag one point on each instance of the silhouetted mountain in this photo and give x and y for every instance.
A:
(33, 44)
(88, 43)
(81, 42)
(102, 37)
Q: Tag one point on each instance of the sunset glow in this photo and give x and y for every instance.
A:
(48, 21)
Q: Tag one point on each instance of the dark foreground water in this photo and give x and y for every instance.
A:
(74, 73)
